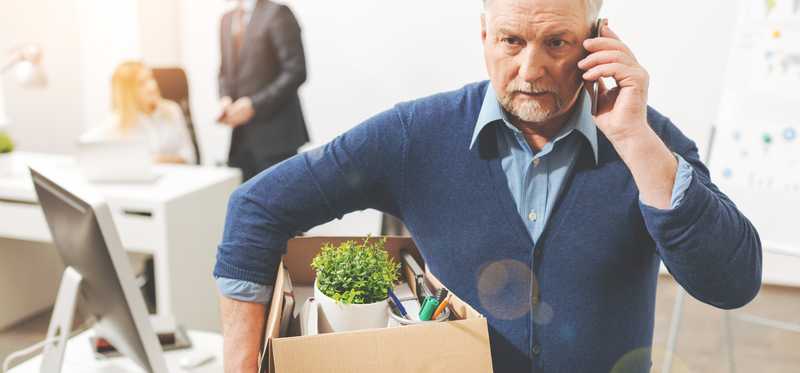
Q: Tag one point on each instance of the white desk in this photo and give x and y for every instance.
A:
(80, 358)
(178, 219)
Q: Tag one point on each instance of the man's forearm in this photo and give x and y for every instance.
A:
(242, 329)
(652, 165)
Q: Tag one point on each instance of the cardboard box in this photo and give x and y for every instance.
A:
(454, 346)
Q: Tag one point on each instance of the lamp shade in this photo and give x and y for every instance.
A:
(26, 63)
(30, 75)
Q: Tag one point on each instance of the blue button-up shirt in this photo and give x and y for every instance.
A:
(535, 179)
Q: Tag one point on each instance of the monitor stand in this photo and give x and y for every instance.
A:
(60, 328)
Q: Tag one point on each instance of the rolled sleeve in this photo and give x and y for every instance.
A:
(683, 178)
(706, 243)
(309, 189)
(244, 291)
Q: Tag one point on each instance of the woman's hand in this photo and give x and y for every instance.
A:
(169, 159)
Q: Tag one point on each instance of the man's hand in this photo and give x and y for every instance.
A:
(622, 111)
(239, 113)
(622, 117)
(224, 106)
(242, 328)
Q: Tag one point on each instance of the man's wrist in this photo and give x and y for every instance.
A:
(633, 136)
(652, 165)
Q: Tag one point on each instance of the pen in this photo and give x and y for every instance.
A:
(441, 308)
(398, 304)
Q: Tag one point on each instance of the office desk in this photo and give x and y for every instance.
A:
(80, 358)
(178, 219)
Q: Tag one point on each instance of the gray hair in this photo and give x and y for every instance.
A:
(592, 7)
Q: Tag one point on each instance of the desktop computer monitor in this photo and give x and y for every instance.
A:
(83, 232)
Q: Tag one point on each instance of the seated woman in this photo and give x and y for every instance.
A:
(140, 111)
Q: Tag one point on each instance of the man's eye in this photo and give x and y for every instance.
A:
(556, 43)
(512, 41)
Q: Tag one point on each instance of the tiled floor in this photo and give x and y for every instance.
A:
(700, 349)
(757, 349)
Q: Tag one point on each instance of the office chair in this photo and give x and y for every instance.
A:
(174, 86)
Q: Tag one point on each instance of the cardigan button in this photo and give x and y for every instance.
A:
(537, 253)
(537, 349)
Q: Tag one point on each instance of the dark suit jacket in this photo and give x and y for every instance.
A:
(270, 69)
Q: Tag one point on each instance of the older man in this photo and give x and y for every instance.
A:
(551, 228)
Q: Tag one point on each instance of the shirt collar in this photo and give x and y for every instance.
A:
(491, 112)
(249, 5)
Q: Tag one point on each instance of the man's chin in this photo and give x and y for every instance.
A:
(534, 118)
(533, 115)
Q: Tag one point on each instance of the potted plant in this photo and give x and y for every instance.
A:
(6, 147)
(352, 285)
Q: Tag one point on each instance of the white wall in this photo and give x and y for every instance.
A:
(199, 35)
(83, 41)
(44, 120)
(108, 35)
(362, 57)
(158, 29)
(365, 56)
(684, 44)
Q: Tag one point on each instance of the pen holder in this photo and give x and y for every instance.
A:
(402, 321)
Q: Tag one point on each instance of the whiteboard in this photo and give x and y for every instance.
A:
(755, 156)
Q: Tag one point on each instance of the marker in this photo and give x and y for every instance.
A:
(398, 304)
(428, 308)
(441, 308)
(422, 305)
(441, 294)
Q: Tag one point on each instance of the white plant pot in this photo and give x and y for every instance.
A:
(6, 163)
(340, 317)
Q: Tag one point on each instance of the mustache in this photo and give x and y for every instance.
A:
(528, 87)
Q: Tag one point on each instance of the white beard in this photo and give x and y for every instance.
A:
(531, 110)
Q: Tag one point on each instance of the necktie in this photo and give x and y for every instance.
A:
(239, 27)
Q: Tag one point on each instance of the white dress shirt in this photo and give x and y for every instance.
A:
(248, 6)
(164, 130)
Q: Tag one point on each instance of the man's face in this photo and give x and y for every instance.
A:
(532, 48)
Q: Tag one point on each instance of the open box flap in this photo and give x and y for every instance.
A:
(456, 346)
(301, 250)
(272, 325)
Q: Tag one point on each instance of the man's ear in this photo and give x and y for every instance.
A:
(483, 27)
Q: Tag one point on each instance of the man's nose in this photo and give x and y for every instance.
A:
(533, 64)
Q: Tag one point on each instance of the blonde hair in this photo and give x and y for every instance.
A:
(125, 93)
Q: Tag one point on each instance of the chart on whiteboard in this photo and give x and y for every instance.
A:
(755, 155)
(757, 144)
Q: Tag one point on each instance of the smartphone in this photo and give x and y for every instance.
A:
(593, 88)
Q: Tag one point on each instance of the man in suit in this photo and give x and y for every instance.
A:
(262, 67)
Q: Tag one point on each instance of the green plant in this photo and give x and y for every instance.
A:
(6, 145)
(356, 273)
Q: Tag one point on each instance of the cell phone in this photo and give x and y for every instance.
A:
(593, 88)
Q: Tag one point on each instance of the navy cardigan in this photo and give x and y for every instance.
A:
(581, 300)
